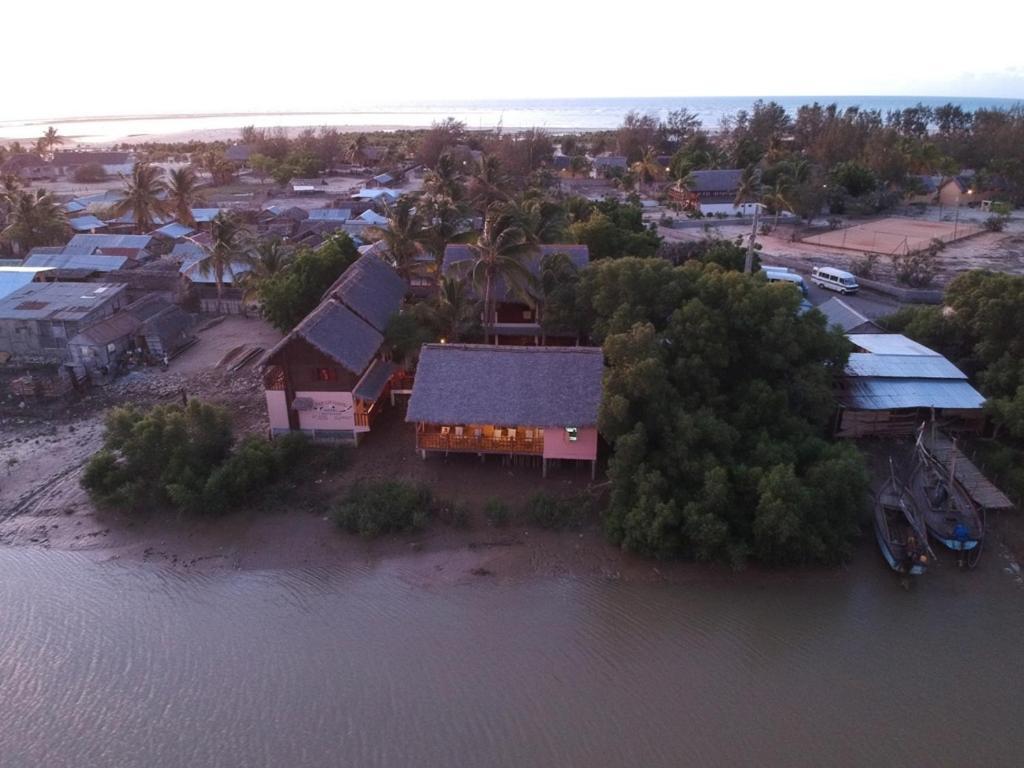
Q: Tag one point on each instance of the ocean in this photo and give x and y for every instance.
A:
(550, 114)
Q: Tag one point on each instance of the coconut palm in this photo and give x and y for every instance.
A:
(446, 179)
(443, 222)
(50, 139)
(144, 196)
(227, 246)
(750, 189)
(488, 184)
(776, 196)
(183, 194)
(266, 259)
(401, 236)
(500, 253)
(543, 220)
(456, 312)
(647, 168)
(34, 220)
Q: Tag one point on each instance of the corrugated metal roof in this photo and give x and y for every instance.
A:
(204, 215)
(107, 330)
(889, 344)
(57, 301)
(174, 230)
(373, 194)
(838, 312)
(198, 272)
(13, 278)
(902, 366)
(110, 241)
(374, 218)
(879, 394)
(85, 223)
(330, 214)
(74, 206)
(95, 263)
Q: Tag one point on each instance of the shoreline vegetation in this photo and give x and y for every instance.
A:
(718, 391)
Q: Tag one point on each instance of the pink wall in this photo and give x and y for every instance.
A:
(277, 409)
(331, 410)
(558, 446)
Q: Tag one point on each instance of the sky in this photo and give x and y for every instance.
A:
(110, 57)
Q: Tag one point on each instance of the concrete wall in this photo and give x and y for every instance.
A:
(277, 409)
(558, 446)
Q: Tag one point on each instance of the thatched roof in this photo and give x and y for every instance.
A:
(482, 384)
(371, 289)
(338, 333)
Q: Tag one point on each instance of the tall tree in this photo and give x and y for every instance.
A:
(750, 188)
(145, 193)
(647, 169)
(51, 139)
(227, 243)
(444, 222)
(34, 220)
(446, 179)
(499, 253)
(266, 259)
(401, 236)
(183, 194)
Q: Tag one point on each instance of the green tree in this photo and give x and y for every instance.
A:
(717, 400)
(289, 296)
(401, 236)
(183, 194)
(266, 259)
(145, 197)
(51, 139)
(33, 219)
(499, 253)
(226, 248)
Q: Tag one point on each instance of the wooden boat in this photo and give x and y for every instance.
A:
(898, 529)
(947, 510)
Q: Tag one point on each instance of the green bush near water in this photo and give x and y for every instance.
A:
(555, 513)
(373, 508)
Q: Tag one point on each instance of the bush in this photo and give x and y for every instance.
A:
(865, 266)
(455, 514)
(497, 513)
(181, 458)
(555, 513)
(995, 223)
(917, 268)
(372, 508)
(85, 174)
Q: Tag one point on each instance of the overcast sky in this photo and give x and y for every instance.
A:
(109, 57)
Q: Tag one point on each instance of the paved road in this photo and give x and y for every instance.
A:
(869, 303)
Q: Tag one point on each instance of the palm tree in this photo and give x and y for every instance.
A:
(446, 179)
(544, 221)
(226, 247)
(443, 222)
(578, 164)
(455, 311)
(489, 183)
(183, 194)
(401, 236)
(647, 168)
(144, 196)
(776, 196)
(33, 220)
(266, 259)
(499, 253)
(51, 139)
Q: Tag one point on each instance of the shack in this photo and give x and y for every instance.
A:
(892, 384)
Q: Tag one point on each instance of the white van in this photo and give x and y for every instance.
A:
(835, 279)
(784, 275)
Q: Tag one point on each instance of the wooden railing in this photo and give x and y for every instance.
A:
(435, 441)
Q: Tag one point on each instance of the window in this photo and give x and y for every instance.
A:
(325, 374)
(572, 434)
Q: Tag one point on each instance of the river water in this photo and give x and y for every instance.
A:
(108, 664)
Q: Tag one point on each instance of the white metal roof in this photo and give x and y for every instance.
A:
(878, 394)
(889, 344)
(865, 364)
(13, 278)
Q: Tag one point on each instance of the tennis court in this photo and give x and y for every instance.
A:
(893, 235)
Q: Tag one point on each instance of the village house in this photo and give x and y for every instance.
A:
(112, 162)
(608, 165)
(14, 277)
(892, 384)
(37, 320)
(147, 329)
(329, 376)
(521, 403)
(956, 191)
(515, 321)
(709, 192)
(28, 166)
(239, 154)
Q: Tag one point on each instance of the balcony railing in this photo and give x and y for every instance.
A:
(470, 443)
